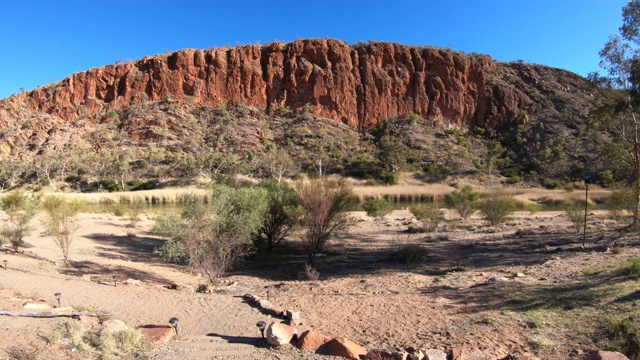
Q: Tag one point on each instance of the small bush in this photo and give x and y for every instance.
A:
(575, 214)
(16, 352)
(409, 254)
(496, 209)
(617, 250)
(429, 214)
(377, 207)
(462, 201)
(388, 178)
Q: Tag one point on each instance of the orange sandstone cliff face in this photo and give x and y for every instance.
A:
(360, 86)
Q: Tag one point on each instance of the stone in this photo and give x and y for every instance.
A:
(606, 355)
(65, 310)
(133, 282)
(88, 320)
(495, 279)
(157, 334)
(311, 340)
(293, 317)
(415, 355)
(39, 305)
(279, 334)
(112, 326)
(265, 304)
(384, 355)
(344, 347)
(434, 354)
(276, 311)
(468, 353)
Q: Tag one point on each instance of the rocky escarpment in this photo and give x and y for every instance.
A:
(360, 85)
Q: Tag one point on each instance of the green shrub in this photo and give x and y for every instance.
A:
(108, 185)
(605, 179)
(414, 117)
(20, 209)
(409, 254)
(553, 184)
(514, 180)
(377, 207)
(631, 268)
(429, 214)
(622, 199)
(462, 201)
(497, 208)
(388, 178)
(623, 335)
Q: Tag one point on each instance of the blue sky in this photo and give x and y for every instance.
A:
(46, 41)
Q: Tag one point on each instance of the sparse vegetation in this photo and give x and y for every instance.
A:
(324, 205)
(429, 214)
(20, 208)
(61, 222)
(575, 214)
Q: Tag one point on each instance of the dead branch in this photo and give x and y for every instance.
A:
(47, 314)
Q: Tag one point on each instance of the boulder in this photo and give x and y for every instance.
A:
(434, 354)
(112, 326)
(133, 282)
(384, 355)
(279, 334)
(311, 340)
(606, 355)
(157, 334)
(344, 347)
(39, 305)
(276, 311)
(293, 317)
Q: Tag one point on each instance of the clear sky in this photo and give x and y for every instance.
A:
(43, 41)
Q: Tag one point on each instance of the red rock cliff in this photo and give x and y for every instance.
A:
(360, 86)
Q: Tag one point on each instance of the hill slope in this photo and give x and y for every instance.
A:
(355, 106)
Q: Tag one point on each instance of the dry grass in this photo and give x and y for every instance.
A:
(157, 196)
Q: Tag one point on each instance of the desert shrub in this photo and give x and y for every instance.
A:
(553, 184)
(388, 178)
(575, 214)
(462, 201)
(16, 352)
(121, 344)
(439, 172)
(323, 212)
(630, 268)
(282, 203)
(377, 207)
(497, 208)
(623, 335)
(514, 179)
(135, 209)
(429, 214)
(455, 255)
(414, 117)
(20, 208)
(409, 254)
(137, 185)
(61, 221)
(621, 200)
(216, 236)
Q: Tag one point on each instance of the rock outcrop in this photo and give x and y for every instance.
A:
(360, 85)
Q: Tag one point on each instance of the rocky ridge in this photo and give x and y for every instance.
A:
(360, 85)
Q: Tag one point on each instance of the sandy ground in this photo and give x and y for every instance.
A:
(449, 300)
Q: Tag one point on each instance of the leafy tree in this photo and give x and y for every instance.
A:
(620, 57)
(324, 205)
(214, 237)
(279, 163)
(463, 201)
(282, 203)
(213, 165)
(61, 221)
(20, 209)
